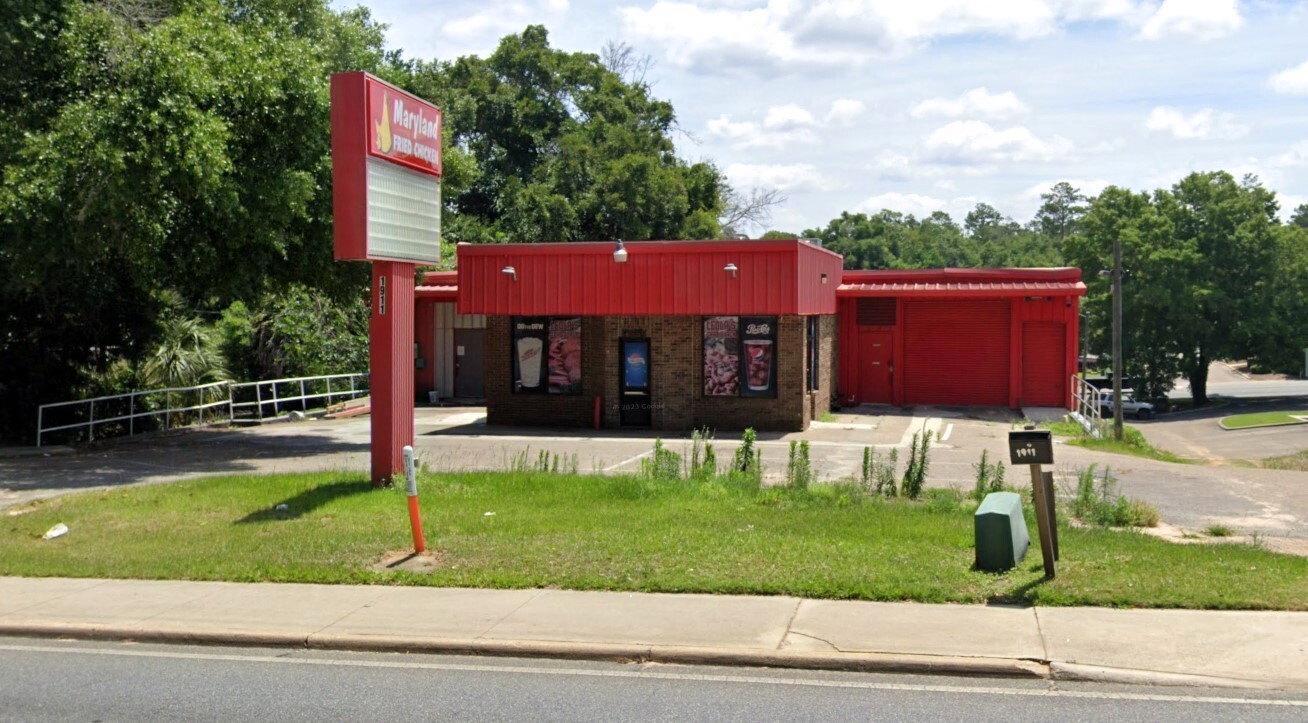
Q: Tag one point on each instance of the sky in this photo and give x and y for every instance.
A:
(924, 105)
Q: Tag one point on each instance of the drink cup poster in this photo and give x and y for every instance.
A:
(721, 356)
(758, 362)
(530, 335)
(635, 365)
(565, 356)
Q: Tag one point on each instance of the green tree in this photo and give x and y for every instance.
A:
(556, 146)
(1060, 211)
(184, 146)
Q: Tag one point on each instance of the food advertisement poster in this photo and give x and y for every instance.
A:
(721, 356)
(565, 356)
(759, 358)
(529, 338)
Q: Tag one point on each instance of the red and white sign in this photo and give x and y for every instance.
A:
(403, 129)
(386, 168)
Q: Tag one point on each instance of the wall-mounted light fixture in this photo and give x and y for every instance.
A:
(510, 271)
(824, 278)
(620, 253)
(731, 269)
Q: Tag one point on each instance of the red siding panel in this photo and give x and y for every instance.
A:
(1043, 360)
(956, 352)
(659, 278)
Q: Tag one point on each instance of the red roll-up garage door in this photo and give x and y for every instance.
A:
(956, 352)
(1044, 383)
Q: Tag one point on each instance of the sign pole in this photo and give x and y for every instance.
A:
(1042, 519)
(1034, 448)
(390, 357)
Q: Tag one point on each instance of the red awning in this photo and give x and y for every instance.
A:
(962, 283)
(438, 286)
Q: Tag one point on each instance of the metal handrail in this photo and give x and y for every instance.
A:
(229, 402)
(1089, 402)
(278, 400)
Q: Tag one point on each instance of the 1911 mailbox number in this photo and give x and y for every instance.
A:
(1031, 447)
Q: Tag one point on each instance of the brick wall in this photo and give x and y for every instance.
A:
(676, 378)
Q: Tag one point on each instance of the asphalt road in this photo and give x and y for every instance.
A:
(62, 680)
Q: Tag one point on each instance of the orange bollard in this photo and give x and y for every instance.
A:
(415, 516)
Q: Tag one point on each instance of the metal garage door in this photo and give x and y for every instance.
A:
(956, 352)
(1044, 382)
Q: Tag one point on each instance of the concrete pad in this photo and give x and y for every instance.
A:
(111, 602)
(711, 621)
(290, 609)
(416, 613)
(19, 593)
(917, 629)
(1250, 645)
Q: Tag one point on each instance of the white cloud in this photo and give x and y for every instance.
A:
(1291, 81)
(777, 131)
(893, 166)
(1201, 124)
(788, 117)
(975, 102)
(1297, 156)
(782, 126)
(796, 35)
(1090, 188)
(844, 111)
(975, 142)
(784, 177)
(500, 17)
(917, 204)
(1203, 19)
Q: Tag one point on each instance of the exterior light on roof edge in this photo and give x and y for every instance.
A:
(620, 253)
(731, 269)
(510, 271)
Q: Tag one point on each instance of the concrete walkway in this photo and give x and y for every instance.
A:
(1177, 647)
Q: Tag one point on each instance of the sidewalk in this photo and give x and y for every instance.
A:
(1176, 647)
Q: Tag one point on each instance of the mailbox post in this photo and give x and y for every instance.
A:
(1034, 448)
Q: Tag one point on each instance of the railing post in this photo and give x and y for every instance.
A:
(277, 408)
(231, 402)
(201, 391)
(90, 428)
(304, 403)
(329, 391)
(131, 415)
(258, 398)
(40, 423)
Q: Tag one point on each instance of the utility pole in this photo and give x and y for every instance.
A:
(1117, 339)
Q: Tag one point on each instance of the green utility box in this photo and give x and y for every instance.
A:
(1001, 536)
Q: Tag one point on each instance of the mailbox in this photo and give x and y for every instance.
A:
(1031, 447)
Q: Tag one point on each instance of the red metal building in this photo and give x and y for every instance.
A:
(704, 315)
(987, 337)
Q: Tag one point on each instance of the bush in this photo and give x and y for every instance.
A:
(1102, 506)
(989, 477)
(664, 465)
(918, 461)
(799, 469)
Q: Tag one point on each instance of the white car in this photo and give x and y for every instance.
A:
(1130, 407)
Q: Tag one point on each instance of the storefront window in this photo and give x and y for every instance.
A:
(546, 355)
(740, 356)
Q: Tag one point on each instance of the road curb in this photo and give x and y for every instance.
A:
(1129, 676)
(607, 652)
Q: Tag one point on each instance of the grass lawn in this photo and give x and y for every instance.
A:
(1297, 462)
(1132, 443)
(1263, 419)
(524, 530)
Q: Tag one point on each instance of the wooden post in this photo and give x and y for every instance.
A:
(1048, 478)
(1042, 519)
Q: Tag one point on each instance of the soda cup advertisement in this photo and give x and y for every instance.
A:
(529, 335)
(759, 365)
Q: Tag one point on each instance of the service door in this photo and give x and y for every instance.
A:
(1044, 354)
(956, 352)
(469, 369)
(876, 361)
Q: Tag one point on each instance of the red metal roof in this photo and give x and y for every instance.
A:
(659, 278)
(963, 283)
(438, 285)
